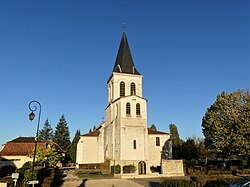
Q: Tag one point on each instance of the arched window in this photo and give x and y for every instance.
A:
(132, 89)
(134, 144)
(128, 108)
(138, 109)
(122, 89)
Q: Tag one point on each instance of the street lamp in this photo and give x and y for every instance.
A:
(33, 108)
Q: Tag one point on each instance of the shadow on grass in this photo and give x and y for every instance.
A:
(154, 184)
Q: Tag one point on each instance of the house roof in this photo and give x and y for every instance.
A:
(21, 146)
(93, 133)
(124, 62)
(97, 132)
(24, 139)
(150, 131)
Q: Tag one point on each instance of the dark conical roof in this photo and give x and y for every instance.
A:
(124, 61)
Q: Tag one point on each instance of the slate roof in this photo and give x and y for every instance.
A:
(21, 146)
(124, 62)
(150, 131)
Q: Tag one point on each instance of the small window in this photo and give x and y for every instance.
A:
(128, 108)
(134, 144)
(122, 89)
(138, 109)
(132, 89)
(157, 141)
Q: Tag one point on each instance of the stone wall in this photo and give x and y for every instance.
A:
(172, 167)
(155, 151)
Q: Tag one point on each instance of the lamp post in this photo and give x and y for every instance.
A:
(33, 107)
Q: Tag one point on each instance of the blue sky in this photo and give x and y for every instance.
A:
(62, 53)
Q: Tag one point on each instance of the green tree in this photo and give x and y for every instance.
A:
(176, 142)
(174, 134)
(226, 124)
(62, 135)
(73, 147)
(153, 127)
(47, 132)
(48, 157)
(189, 150)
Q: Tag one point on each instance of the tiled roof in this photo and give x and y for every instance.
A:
(150, 131)
(24, 139)
(94, 133)
(20, 148)
(124, 61)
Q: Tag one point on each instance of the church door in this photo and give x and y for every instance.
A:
(142, 168)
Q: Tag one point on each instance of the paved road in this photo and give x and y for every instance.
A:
(72, 181)
(100, 183)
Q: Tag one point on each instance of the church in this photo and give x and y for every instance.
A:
(124, 138)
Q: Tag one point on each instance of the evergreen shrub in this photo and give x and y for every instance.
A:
(117, 169)
(177, 183)
(129, 169)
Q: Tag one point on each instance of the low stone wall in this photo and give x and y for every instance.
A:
(172, 167)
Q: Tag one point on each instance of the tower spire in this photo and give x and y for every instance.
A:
(124, 62)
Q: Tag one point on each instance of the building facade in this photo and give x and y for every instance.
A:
(124, 137)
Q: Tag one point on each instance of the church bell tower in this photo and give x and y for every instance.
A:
(126, 114)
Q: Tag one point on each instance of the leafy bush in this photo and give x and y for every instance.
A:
(218, 172)
(244, 171)
(155, 169)
(26, 172)
(177, 183)
(117, 169)
(222, 181)
(49, 157)
(199, 180)
(129, 169)
(216, 184)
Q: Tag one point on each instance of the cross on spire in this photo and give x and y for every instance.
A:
(124, 26)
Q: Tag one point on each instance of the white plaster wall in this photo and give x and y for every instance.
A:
(79, 152)
(88, 150)
(155, 151)
(18, 161)
(128, 134)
